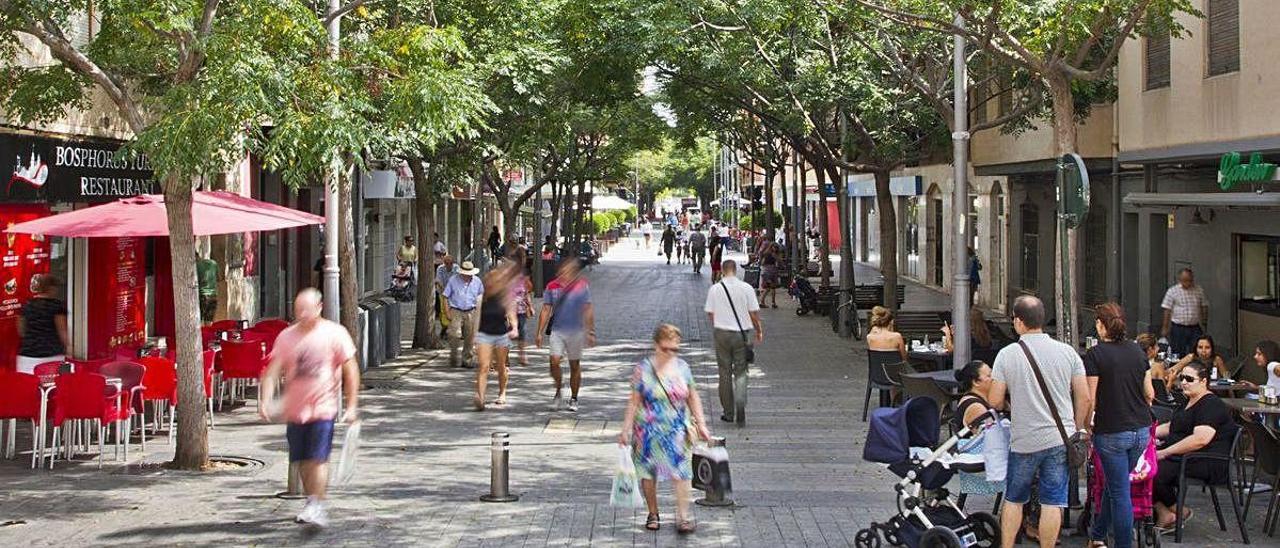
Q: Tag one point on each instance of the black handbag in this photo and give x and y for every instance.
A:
(1077, 447)
(751, 352)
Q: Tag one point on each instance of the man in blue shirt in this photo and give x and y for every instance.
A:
(566, 307)
(463, 292)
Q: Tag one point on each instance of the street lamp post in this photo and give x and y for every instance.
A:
(960, 209)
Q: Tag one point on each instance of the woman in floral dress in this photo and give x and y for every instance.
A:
(663, 407)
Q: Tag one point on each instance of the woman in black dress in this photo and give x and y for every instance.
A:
(1204, 424)
(42, 325)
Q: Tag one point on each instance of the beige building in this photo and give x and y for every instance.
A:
(1185, 104)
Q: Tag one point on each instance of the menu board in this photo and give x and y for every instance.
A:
(23, 257)
(117, 294)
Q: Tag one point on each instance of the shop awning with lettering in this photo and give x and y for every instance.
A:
(212, 212)
(1236, 200)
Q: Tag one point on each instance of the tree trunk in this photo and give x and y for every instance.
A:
(888, 239)
(425, 334)
(787, 219)
(1067, 273)
(555, 214)
(192, 451)
(770, 228)
(846, 250)
(348, 281)
(824, 228)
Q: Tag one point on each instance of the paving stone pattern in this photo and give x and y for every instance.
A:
(424, 459)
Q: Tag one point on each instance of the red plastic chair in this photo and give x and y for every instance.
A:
(273, 324)
(47, 371)
(89, 366)
(207, 335)
(131, 373)
(81, 397)
(159, 384)
(20, 399)
(266, 335)
(243, 363)
(225, 325)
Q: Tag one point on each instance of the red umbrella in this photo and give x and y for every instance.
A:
(212, 212)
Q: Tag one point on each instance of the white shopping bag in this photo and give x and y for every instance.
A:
(347, 461)
(626, 486)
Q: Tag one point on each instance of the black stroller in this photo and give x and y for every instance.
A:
(804, 292)
(403, 287)
(904, 438)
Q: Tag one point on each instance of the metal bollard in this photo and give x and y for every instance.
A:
(293, 485)
(499, 490)
(712, 476)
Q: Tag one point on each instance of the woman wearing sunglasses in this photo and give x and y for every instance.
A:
(663, 412)
(1204, 424)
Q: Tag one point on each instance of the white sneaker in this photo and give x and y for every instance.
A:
(308, 512)
(557, 403)
(320, 516)
(573, 404)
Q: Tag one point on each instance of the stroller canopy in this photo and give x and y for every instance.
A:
(894, 431)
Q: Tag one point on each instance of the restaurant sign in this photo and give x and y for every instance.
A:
(41, 169)
(1231, 172)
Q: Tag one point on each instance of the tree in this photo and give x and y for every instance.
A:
(190, 80)
(1069, 47)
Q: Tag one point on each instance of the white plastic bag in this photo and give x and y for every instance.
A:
(626, 485)
(995, 450)
(350, 447)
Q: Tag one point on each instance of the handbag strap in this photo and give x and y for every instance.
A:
(741, 331)
(1044, 390)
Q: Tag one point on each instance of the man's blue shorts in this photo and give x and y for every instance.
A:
(1050, 465)
(310, 441)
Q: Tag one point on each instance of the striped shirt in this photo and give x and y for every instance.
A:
(1184, 304)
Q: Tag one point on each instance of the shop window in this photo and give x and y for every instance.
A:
(1259, 275)
(1224, 36)
(1030, 279)
(913, 226)
(1095, 260)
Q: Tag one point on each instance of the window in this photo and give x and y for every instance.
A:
(1030, 248)
(1006, 92)
(1157, 60)
(1224, 36)
(979, 105)
(1259, 276)
(913, 226)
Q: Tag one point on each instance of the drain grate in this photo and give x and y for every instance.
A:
(217, 464)
(383, 384)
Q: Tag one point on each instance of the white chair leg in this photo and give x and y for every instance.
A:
(128, 433)
(172, 423)
(35, 444)
(210, 402)
(53, 455)
(101, 448)
(119, 425)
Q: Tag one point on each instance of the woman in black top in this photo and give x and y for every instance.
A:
(42, 325)
(1203, 425)
(1120, 384)
(498, 326)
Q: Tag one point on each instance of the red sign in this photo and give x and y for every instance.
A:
(117, 294)
(513, 176)
(22, 258)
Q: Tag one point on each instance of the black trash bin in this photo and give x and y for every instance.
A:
(375, 340)
(390, 328)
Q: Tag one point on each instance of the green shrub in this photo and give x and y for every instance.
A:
(745, 223)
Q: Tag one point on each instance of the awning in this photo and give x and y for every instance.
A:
(610, 202)
(212, 212)
(1234, 200)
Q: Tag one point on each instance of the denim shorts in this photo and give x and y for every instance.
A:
(310, 440)
(496, 341)
(1050, 465)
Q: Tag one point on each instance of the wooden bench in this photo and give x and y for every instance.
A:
(919, 324)
(868, 296)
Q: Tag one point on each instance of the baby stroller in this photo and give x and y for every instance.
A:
(803, 291)
(402, 287)
(904, 438)
(1141, 485)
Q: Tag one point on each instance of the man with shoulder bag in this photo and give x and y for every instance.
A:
(731, 306)
(1043, 378)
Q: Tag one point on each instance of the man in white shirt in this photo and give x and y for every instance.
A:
(1037, 454)
(1186, 313)
(438, 248)
(734, 313)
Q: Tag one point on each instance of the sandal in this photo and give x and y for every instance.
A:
(1097, 544)
(685, 527)
(502, 400)
(652, 523)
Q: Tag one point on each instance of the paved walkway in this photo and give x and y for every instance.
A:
(798, 476)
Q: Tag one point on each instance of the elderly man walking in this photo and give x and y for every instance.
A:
(734, 313)
(1042, 377)
(463, 293)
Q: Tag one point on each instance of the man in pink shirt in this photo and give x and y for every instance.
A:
(316, 357)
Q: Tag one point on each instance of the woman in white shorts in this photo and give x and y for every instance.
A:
(497, 328)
